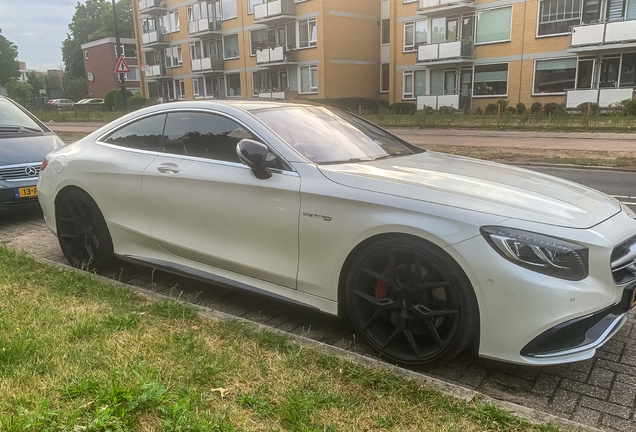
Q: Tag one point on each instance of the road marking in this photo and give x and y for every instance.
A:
(620, 196)
(628, 203)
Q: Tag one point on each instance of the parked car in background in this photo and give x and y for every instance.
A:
(24, 142)
(90, 101)
(64, 104)
(426, 253)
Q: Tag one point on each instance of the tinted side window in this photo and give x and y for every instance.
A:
(144, 134)
(203, 135)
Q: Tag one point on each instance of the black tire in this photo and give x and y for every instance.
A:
(82, 231)
(411, 301)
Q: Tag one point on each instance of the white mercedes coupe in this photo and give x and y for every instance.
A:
(424, 252)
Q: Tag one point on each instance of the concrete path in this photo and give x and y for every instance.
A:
(587, 141)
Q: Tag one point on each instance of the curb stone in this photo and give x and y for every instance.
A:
(446, 388)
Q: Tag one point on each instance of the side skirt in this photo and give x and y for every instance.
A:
(182, 270)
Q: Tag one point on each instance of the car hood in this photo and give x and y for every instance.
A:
(26, 148)
(481, 186)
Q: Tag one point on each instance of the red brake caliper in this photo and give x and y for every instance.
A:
(381, 290)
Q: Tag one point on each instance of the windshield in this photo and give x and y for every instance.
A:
(12, 117)
(325, 135)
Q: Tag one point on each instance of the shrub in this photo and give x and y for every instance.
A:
(478, 111)
(553, 108)
(520, 108)
(446, 110)
(629, 106)
(109, 100)
(427, 110)
(535, 108)
(402, 108)
(594, 108)
(503, 104)
(353, 103)
(511, 110)
(137, 101)
(118, 99)
(491, 109)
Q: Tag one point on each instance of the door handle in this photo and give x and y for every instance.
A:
(168, 168)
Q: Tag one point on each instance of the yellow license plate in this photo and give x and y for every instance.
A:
(26, 192)
(633, 299)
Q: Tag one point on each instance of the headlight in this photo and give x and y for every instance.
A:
(548, 255)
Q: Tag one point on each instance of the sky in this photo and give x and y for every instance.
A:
(38, 28)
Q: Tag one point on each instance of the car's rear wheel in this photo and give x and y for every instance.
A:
(411, 301)
(82, 231)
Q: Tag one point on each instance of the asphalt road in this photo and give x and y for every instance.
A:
(621, 185)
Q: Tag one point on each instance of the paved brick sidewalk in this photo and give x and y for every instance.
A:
(600, 392)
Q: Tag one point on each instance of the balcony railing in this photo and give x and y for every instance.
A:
(207, 64)
(277, 54)
(605, 33)
(445, 51)
(152, 38)
(273, 9)
(155, 71)
(456, 101)
(149, 6)
(603, 97)
(204, 26)
(267, 94)
(429, 4)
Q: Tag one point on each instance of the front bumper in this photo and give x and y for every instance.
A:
(8, 197)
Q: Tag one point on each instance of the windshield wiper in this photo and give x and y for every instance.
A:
(17, 128)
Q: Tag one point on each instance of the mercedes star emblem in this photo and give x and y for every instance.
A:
(31, 171)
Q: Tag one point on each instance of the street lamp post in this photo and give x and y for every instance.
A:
(120, 52)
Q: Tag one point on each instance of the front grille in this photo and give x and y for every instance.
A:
(624, 262)
(19, 172)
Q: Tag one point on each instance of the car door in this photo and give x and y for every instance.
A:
(204, 205)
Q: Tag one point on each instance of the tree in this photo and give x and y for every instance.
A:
(19, 92)
(8, 60)
(93, 20)
(75, 89)
(37, 83)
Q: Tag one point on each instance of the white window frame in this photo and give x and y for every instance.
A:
(312, 90)
(227, 88)
(180, 84)
(534, 75)
(86, 53)
(474, 96)
(315, 43)
(132, 68)
(223, 17)
(407, 48)
(409, 1)
(250, 36)
(172, 18)
(251, 12)
(475, 43)
(411, 95)
(538, 36)
(385, 91)
(238, 51)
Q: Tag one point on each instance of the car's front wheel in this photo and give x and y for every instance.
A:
(411, 301)
(82, 231)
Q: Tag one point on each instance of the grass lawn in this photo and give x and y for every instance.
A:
(80, 355)
(77, 116)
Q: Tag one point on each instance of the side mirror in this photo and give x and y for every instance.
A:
(253, 154)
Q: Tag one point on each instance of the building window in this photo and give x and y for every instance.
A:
(610, 66)
(86, 55)
(170, 21)
(133, 75)
(554, 76)
(173, 56)
(258, 39)
(414, 84)
(253, 3)
(384, 77)
(198, 86)
(228, 9)
(230, 47)
(269, 81)
(557, 16)
(130, 50)
(415, 33)
(307, 33)
(233, 85)
(494, 25)
(628, 69)
(491, 80)
(407, 86)
(179, 89)
(386, 31)
(308, 79)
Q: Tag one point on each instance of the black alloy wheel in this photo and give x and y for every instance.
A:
(411, 301)
(82, 231)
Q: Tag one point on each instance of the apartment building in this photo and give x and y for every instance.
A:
(100, 60)
(276, 49)
(467, 54)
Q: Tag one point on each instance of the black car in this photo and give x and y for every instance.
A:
(24, 142)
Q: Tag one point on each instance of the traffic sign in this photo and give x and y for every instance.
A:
(122, 67)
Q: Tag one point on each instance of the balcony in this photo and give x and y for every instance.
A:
(436, 101)
(155, 72)
(204, 27)
(603, 97)
(152, 40)
(440, 7)
(207, 64)
(275, 56)
(278, 10)
(266, 94)
(447, 52)
(152, 7)
(600, 36)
